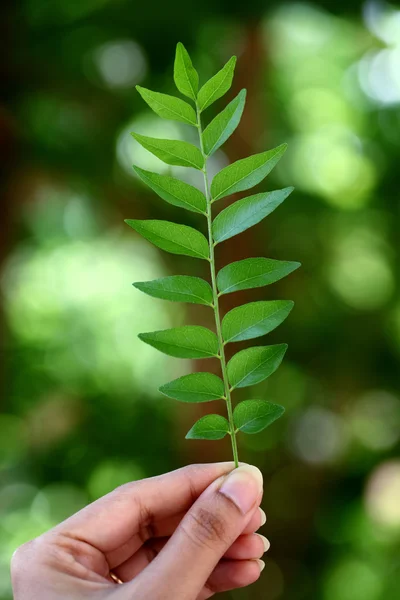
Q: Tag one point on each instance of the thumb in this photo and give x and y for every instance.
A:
(206, 532)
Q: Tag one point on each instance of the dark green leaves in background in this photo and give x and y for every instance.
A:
(252, 365)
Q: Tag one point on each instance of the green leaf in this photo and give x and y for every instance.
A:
(253, 273)
(217, 86)
(174, 191)
(224, 124)
(189, 341)
(172, 152)
(246, 212)
(253, 365)
(178, 288)
(252, 416)
(254, 319)
(168, 107)
(197, 387)
(210, 427)
(245, 173)
(177, 239)
(185, 75)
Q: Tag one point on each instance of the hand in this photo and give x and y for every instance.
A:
(182, 536)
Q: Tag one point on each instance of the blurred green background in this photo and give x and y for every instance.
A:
(80, 412)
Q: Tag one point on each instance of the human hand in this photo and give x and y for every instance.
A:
(185, 535)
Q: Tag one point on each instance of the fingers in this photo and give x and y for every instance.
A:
(113, 521)
(164, 529)
(210, 527)
(230, 575)
(246, 547)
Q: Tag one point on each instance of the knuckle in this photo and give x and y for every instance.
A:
(206, 528)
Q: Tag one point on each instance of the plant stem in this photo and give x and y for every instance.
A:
(215, 298)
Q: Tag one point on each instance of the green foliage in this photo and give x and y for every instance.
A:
(190, 341)
(174, 191)
(245, 173)
(185, 75)
(172, 152)
(177, 239)
(178, 288)
(196, 387)
(254, 319)
(168, 107)
(210, 427)
(252, 273)
(217, 86)
(252, 365)
(245, 213)
(224, 124)
(252, 416)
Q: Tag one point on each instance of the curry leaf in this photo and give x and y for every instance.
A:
(250, 366)
(185, 75)
(178, 288)
(174, 191)
(245, 213)
(189, 341)
(252, 416)
(172, 152)
(253, 365)
(254, 319)
(168, 107)
(171, 237)
(196, 387)
(217, 86)
(210, 427)
(224, 124)
(245, 173)
(253, 273)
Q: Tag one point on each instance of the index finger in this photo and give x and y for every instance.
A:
(110, 522)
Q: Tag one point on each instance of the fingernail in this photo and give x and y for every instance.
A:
(261, 564)
(243, 486)
(263, 517)
(265, 542)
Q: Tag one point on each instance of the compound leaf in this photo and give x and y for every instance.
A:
(252, 416)
(245, 173)
(168, 107)
(196, 387)
(217, 86)
(253, 273)
(224, 124)
(172, 152)
(185, 75)
(171, 237)
(246, 212)
(253, 365)
(174, 191)
(178, 288)
(254, 319)
(189, 341)
(210, 427)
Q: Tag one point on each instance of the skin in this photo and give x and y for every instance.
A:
(185, 535)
